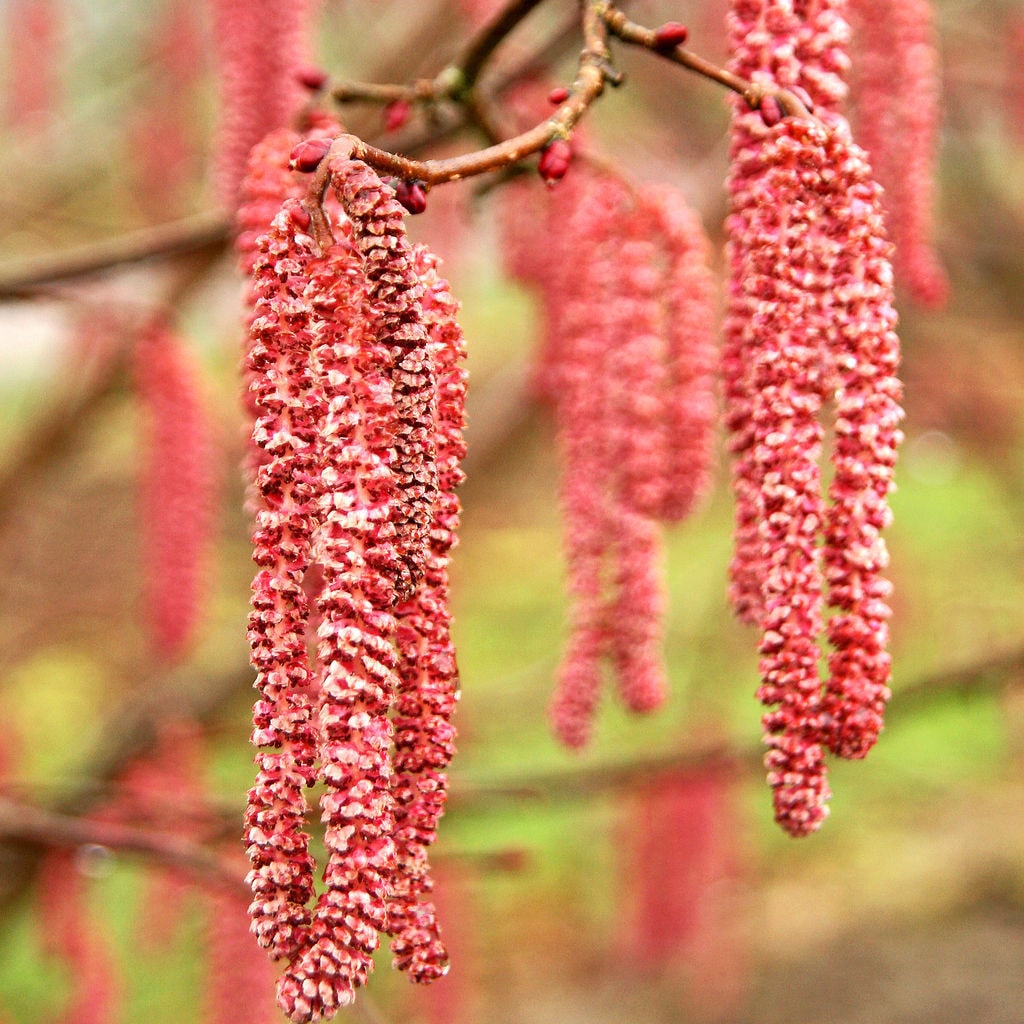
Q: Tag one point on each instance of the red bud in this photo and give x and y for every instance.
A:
(554, 160)
(411, 195)
(771, 111)
(670, 35)
(306, 156)
(803, 96)
(558, 95)
(298, 214)
(396, 114)
(313, 79)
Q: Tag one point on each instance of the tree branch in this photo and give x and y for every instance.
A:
(754, 93)
(25, 823)
(195, 234)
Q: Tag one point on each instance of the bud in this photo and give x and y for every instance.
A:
(670, 35)
(306, 156)
(555, 160)
(558, 95)
(803, 96)
(411, 195)
(771, 111)
(298, 214)
(396, 114)
(311, 78)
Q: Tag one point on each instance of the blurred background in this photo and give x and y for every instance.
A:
(642, 880)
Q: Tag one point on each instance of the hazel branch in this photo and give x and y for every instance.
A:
(454, 82)
(25, 823)
(754, 93)
(593, 72)
(208, 231)
(479, 49)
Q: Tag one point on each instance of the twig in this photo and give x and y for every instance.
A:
(476, 54)
(24, 823)
(195, 234)
(754, 93)
(591, 76)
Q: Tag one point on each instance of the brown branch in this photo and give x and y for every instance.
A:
(1001, 672)
(754, 93)
(195, 234)
(591, 76)
(131, 731)
(33, 826)
(476, 54)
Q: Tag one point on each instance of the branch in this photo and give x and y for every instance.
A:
(131, 730)
(1002, 671)
(24, 823)
(195, 234)
(593, 71)
(478, 51)
(754, 93)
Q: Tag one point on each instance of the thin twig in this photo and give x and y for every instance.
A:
(25, 823)
(754, 93)
(195, 234)
(476, 54)
(590, 80)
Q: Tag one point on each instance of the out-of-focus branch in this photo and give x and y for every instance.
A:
(478, 51)
(25, 823)
(131, 731)
(989, 675)
(195, 235)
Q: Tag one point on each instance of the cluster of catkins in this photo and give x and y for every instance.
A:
(627, 362)
(809, 325)
(357, 393)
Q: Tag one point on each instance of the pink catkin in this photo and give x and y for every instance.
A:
(822, 328)
(679, 848)
(358, 552)
(452, 999)
(364, 439)
(628, 361)
(268, 182)
(162, 144)
(868, 413)
(584, 403)
(162, 792)
(261, 45)
(898, 111)
(821, 51)
(34, 38)
(691, 353)
(239, 978)
(788, 385)
(177, 487)
(763, 40)
(428, 675)
(278, 359)
(69, 934)
(396, 297)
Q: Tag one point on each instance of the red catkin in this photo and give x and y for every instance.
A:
(33, 31)
(813, 326)
(897, 91)
(176, 490)
(428, 675)
(261, 46)
(285, 430)
(69, 934)
(396, 296)
(354, 355)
